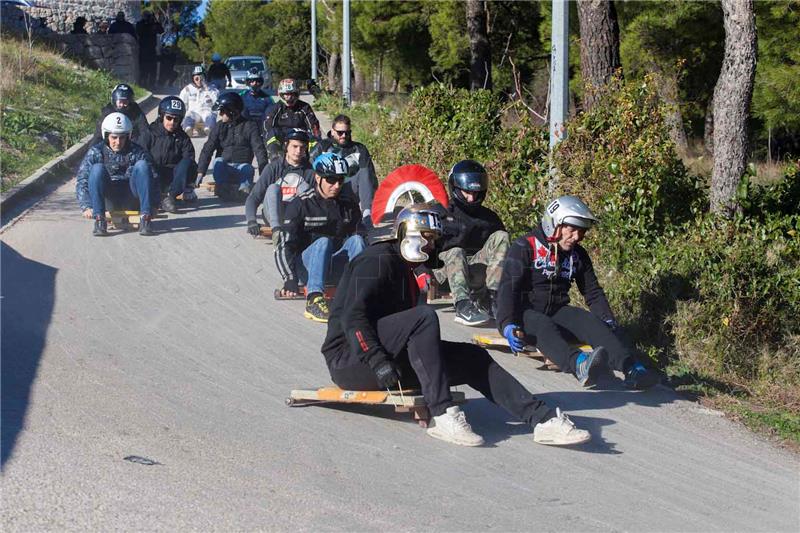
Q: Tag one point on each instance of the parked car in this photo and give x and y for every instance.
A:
(241, 65)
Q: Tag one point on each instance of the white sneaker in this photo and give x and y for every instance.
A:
(452, 427)
(206, 131)
(189, 131)
(559, 431)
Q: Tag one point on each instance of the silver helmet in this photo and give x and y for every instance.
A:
(566, 210)
(415, 226)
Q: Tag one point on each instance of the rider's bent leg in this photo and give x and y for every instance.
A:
(472, 365)
(97, 188)
(492, 253)
(550, 340)
(143, 187)
(588, 328)
(183, 173)
(456, 272)
(317, 259)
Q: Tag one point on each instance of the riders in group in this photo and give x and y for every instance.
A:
(289, 114)
(236, 141)
(172, 152)
(533, 299)
(122, 101)
(379, 338)
(319, 226)
(219, 75)
(199, 99)
(120, 171)
(362, 179)
(256, 101)
(281, 181)
(473, 246)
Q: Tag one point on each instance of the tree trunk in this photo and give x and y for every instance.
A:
(668, 92)
(480, 72)
(333, 72)
(599, 47)
(732, 96)
(708, 128)
(359, 81)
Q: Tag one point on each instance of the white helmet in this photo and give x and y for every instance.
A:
(566, 210)
(116, 123)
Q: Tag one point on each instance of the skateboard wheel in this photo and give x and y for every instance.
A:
(423, 424)
(290, 401)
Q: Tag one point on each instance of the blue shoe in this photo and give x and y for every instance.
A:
(590, 365)
(640, 378)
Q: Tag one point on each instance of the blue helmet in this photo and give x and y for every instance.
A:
(329, 164)
(216, 57)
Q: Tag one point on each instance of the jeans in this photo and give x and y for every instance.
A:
(568, 324)
(175, 178)
(122, 193)
(319, 255)
(234, 173)
(273, 204)
(412, 339)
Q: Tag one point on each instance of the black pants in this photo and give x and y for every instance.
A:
(174, 179)
(554, 332)
(412, 337)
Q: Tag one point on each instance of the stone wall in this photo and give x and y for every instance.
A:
(117, 53)
(58, 16)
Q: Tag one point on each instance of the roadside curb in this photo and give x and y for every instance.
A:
(51, 171)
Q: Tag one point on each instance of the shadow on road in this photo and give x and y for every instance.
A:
(28, 290)
(178, 224)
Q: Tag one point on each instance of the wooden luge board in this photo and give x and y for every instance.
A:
(410, 401)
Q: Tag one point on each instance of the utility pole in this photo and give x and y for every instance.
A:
(314, 40)
(559, 73)
(346, 53)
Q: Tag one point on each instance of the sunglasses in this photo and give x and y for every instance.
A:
(170, 118)
(342, 132)
(333, 179)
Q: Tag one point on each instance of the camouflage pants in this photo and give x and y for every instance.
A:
(456, 265)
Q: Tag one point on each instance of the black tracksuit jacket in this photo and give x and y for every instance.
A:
(534, 277)
(133, 112)
(308, 217)
(167, 149)
(468, 227)
(376, 284)
(281, 119)
(236, 141)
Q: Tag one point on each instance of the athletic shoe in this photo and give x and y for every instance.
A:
(144, 226)
(640, 378)
(469, 315)
(559, 431)
(317, 309)
(589, 366)
(100, 227)
(452, 426)
(189, 196)
(168, 204)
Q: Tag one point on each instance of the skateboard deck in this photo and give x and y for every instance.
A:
(498, 341)
(121, 219)
(330, 292)
(409, 401)
(266, 231)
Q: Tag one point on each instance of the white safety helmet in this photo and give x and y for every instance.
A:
(116, 123)
(414, 226)
(566, 210)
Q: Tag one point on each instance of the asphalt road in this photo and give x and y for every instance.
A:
(172, 349)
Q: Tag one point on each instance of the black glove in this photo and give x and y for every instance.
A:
(387, 373)
(290, 285)
(253, 228)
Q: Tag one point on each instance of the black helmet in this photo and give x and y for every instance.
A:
(172, 105)
(122, 91)
(470, 176)
(296, 134)
(229, 102)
